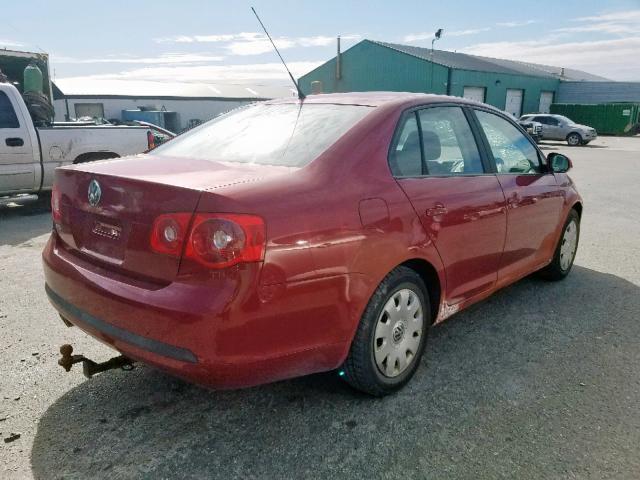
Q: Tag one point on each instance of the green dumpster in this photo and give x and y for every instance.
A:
(607, 118)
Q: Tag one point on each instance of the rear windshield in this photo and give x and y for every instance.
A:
(285, 134)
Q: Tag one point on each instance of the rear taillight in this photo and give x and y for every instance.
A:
(222, 240)
(213, 240)
(56, 207)
(169, 232)
(151, 141)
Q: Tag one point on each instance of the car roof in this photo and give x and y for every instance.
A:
(376, 99)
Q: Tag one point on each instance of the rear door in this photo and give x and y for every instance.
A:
(534, 200)
(17, 169)
(438, 164)
(550, 127)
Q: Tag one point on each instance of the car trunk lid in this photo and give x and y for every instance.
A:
(113, 227)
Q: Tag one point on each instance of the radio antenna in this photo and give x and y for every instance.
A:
(301, 95)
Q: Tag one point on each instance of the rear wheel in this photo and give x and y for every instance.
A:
(391, 336)
(574, 139)
(565, 252)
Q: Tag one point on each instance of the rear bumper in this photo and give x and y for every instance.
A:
(223, 331)
(105, 328)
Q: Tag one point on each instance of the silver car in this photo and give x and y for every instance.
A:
(558, 127)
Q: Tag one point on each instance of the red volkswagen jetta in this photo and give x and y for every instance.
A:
(287, 237)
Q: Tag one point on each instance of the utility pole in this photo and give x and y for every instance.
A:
(437, 36)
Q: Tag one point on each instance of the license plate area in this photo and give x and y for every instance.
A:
(110, 231)
(105, 238)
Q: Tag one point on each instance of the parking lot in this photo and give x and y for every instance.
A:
(542, 380)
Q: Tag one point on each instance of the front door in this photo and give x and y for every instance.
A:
(534, 200)
(461, 206)
(17, 172)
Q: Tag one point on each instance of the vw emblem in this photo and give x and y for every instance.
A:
(94, 193)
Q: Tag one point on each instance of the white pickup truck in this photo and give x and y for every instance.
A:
(29, 154)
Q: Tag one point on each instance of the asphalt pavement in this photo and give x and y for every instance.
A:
(542, 380)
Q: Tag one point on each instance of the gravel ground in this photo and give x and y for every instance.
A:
(540, 381)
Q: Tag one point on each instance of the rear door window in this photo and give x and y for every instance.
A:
(8, 118)
(449, 145)
(435, 141)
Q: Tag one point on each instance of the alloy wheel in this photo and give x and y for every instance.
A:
(574, 139)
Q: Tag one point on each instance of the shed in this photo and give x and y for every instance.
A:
(517, 87)
(192, 103)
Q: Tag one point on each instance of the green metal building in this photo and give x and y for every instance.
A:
(516, 87)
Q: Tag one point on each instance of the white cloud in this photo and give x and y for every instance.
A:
(164, 59)
(194, 39)
(323, 41)
(614, 23)
(611, 58)
(516, 23)
(417, 37)
(10, 43)
(602, 27)
(258, 46)
(473, 31)
(270, 73)
(317, 41)
(254, 43)
(209, 38)
(620, 16)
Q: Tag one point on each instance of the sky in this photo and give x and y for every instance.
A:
(221, 42)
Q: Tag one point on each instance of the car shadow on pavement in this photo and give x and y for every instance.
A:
(21, 223)
(540, 380)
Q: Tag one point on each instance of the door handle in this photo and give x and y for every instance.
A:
(14, 142)
(437, 209)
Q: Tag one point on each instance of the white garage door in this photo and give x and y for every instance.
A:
(546, 99)
(513, 105)
(474, 93)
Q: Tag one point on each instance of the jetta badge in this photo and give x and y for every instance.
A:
(94, 194)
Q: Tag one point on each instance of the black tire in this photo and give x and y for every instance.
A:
(574, 139)
(555, 271)
(360, 369)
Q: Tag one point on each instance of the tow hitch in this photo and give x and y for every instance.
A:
(89, 367)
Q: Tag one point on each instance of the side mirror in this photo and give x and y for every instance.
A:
(559, 163)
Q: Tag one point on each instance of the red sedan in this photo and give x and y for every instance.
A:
(287, 237)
